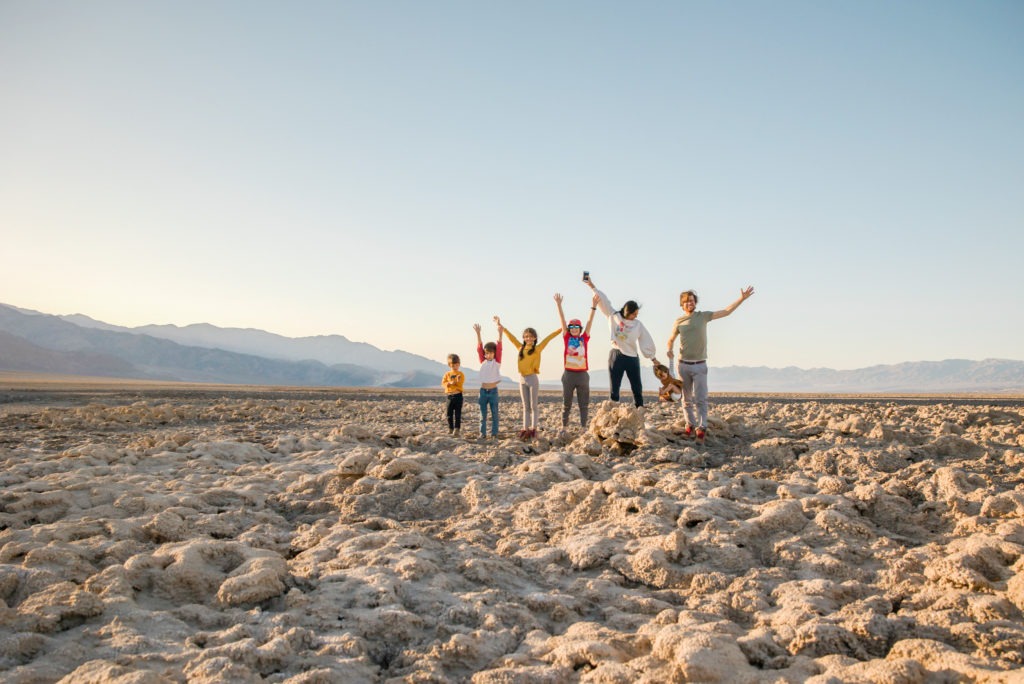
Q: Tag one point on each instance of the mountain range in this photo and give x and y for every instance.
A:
(80, 345)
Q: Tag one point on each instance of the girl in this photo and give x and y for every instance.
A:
(490, 378)
(529, 367)
(576, 377)
(627, 334)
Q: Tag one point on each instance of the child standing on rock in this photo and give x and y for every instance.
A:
(490, 378)
(452, 383)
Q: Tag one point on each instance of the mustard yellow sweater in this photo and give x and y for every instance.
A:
(529, 364)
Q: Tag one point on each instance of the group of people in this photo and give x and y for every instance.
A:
(629, 340)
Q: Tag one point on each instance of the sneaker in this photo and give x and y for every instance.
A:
(688, 432)
(701, 432)
(457, 432)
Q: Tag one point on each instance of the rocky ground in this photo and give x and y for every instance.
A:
(316, 537)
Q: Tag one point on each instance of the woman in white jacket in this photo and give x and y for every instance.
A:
(629, 339)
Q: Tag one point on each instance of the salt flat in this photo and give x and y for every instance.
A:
(187, 533)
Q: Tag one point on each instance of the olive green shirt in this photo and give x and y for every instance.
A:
(693, 335)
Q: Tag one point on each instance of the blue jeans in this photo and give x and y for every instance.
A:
(488, 397)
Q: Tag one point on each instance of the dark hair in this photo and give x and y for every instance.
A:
(685, 293)
(454, 358)
(532, 348)
(490, 347)
(628, 308)
(662, 367)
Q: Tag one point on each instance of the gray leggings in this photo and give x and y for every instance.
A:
(529, 392)
(695, 390)
(579, 382)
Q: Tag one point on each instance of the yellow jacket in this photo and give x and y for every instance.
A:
(452, 382)
(529, 364)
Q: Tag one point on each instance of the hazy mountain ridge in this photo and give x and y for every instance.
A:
(327, 349)
(201, 352)
(65, 344)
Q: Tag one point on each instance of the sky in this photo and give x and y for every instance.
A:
(397, 171)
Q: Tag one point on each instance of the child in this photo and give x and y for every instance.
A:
(490, 378)
(671, 388)
(576, 376)
(452, 383)
(529, 367)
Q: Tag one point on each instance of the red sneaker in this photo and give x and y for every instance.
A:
(688, 432)
(701, 432)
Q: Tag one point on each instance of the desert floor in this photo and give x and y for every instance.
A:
(193, 533)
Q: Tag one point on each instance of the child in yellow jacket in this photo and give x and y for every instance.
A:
(529, 367)
(452, 383)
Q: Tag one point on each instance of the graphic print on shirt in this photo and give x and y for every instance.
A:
(621, 334)
(575, 354)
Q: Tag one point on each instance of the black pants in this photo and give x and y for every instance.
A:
(619, 363)
(454, 411)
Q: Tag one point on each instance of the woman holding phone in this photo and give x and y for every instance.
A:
(629, 339)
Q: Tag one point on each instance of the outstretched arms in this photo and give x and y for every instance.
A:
(744, 295)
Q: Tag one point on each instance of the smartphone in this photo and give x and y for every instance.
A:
(586, 276)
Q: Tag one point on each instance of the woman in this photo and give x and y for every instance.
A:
(629, 339)
(691, 329)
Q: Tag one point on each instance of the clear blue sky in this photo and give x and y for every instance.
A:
(396, 171)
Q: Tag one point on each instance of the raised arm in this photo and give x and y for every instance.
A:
(593, 307)
(603, 303)
(561, 314)
(744, 295)
(543, 343)
(479, 342)
(510, 336)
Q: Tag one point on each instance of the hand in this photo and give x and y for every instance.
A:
(596, 299)
(497, 321)
(476, 326)
(558, 298)
(670, 354)
(747, 292)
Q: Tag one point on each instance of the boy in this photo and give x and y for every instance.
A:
(452, 383)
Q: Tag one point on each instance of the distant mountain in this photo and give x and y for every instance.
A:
(79, 345)
(17, 353)
(951, 375)
(40, 342)
(327, 349)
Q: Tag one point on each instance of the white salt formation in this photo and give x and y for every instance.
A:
(275, 540)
